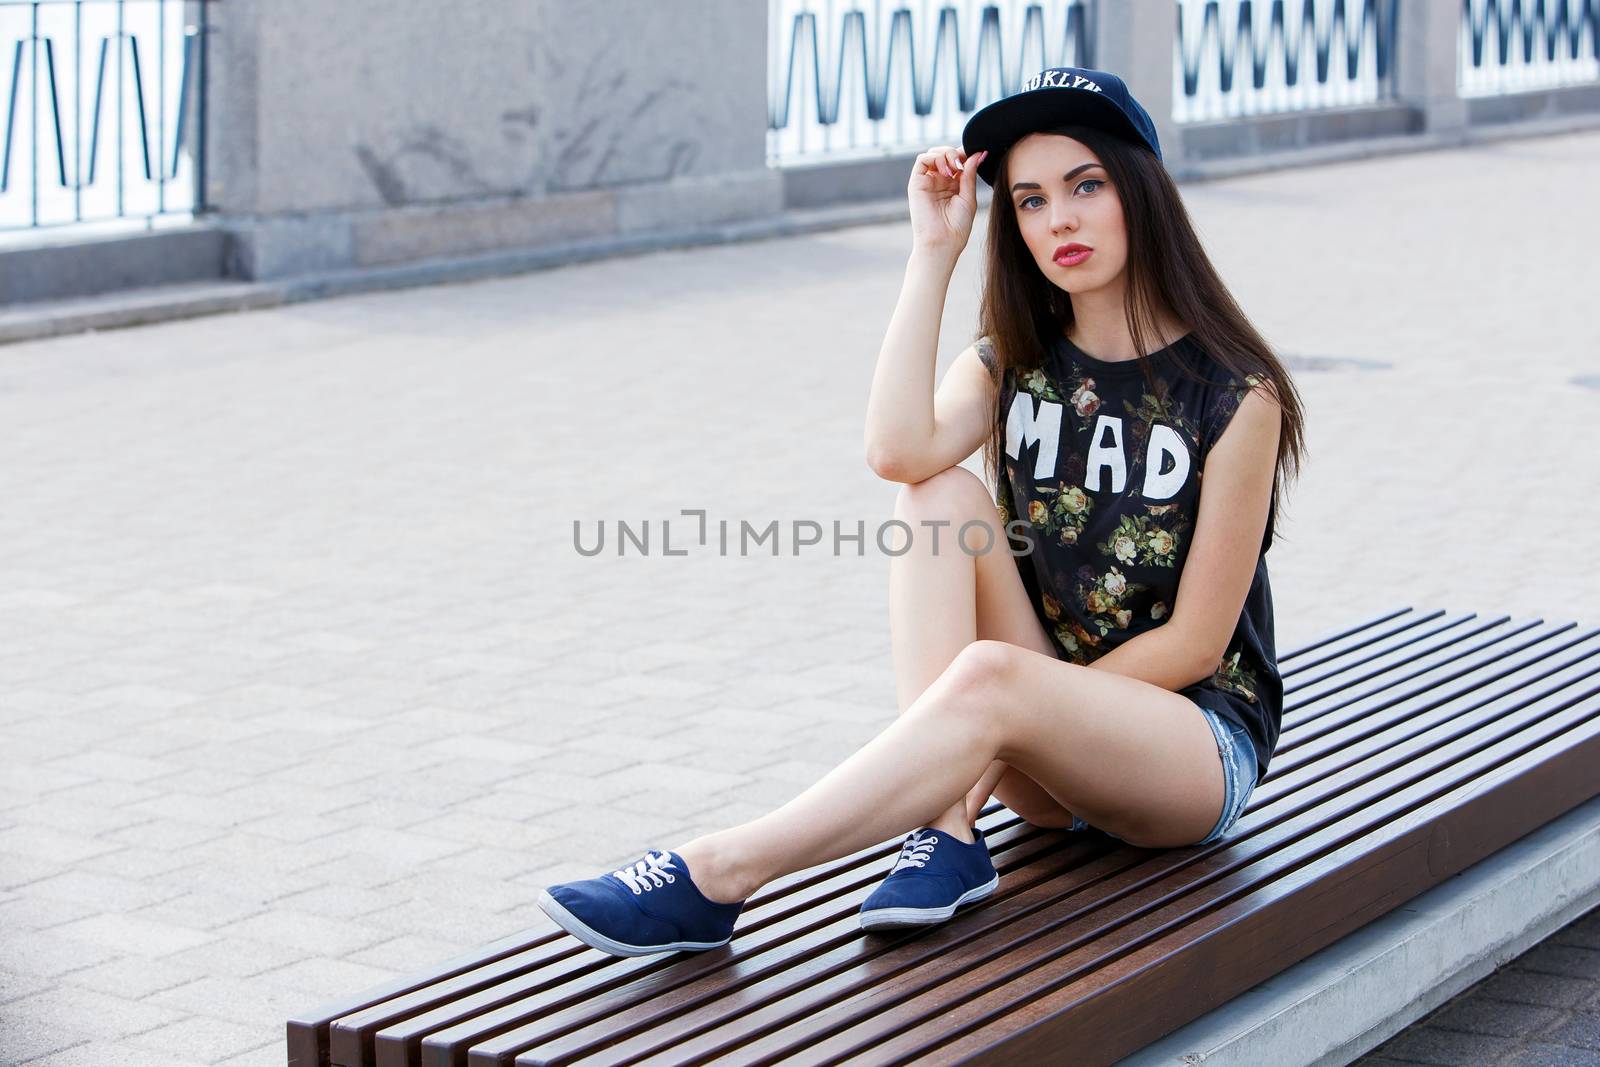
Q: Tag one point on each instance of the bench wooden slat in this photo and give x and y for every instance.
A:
(1385, 733)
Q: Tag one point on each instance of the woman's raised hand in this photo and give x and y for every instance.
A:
(944, 199)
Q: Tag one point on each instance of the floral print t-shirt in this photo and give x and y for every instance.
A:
(1105, 475)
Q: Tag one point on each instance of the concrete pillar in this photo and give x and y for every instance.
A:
(1426, 54)
(1135, 40)
(381, 132)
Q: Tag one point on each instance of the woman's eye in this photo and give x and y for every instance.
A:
(1027, 198)
(1090, 181)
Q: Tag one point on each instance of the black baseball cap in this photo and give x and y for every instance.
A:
(1057, 96)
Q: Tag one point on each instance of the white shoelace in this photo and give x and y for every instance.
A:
(648, 873)
(915, 852)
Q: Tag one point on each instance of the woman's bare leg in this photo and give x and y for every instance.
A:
(941, 599)
(1134, 758)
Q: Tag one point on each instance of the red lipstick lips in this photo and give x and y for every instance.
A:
(1070, 255)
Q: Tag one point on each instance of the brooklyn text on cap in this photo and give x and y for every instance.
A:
(1057, 96)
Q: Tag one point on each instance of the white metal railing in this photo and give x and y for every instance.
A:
(103, 112)
(1234, 59)
(862, 78)
(1509, 47)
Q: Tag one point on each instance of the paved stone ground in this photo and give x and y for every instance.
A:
(293, 633)
(1540, 1010)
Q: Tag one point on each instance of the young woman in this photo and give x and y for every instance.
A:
(1111, 663)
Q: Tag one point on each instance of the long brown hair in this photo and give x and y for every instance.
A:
(1022, 312)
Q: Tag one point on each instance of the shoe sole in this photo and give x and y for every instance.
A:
(898, 918)
(595, 939)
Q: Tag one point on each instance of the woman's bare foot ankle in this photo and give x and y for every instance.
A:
(712, 875)
(955, 824)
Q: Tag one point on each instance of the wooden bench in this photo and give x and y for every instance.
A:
(1414, 744)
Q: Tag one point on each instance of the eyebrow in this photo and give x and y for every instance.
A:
(1067, 177)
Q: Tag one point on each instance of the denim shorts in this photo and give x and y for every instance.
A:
(1239, 772)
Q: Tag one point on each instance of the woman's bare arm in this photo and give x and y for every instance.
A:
(911, 433)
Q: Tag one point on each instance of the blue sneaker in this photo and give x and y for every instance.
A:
(640, 909)
(934, 875)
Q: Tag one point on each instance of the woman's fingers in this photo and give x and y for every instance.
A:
(942, 159)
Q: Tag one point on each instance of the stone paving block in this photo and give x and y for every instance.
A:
(46, 954)
(489, 864)
(274, 1054)
(802, 773)
(130, 933)
(1538, 1054)
(1483, 1015)
(457, 920)
(498, 750)
(237, 956)
(201, 1038)
(22, 1040)
(219, 812)
(505, 803)
(165, 834)
(488, 831)
(21, 913)
(40, 781)
(344, 901)
(413, 846)
(154, 697)
(78, 818)
(310, 934)
(1571, 960)
(16, 986)
(260, 1002)
(628, 748)
(1533, 987)
(84, 1011)
(1584, 932)
(711, 743)
(130, 862)
(571, 787)
(293, 828)
(132, 977)
(102, 1053)
(387, 812)
(744, 722)
(653, 686)
(1427, 1044)
(489, 889)
(684, 804)
(764, 793)
(1582, 1029)
(408, 953)
(653, 775)
(208, 909)
(54, 847)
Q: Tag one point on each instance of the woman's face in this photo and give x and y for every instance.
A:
(1063, 196)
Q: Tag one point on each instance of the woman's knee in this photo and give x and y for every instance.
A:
(953, 491)
(973, 688)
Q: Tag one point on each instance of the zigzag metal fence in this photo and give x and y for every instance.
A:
(1516, 45)
(865, 77)
(871, 77)
(104, 110)
(1241, 58)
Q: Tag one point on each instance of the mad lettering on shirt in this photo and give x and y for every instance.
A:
(1166, 461)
